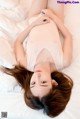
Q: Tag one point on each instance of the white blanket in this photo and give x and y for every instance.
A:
(13, 19)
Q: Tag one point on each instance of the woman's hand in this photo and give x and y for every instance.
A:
(41, 20)
(47, 12)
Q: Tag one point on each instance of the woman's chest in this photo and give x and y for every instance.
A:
(44, 33)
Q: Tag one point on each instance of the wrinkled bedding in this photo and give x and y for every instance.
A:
(13, 19)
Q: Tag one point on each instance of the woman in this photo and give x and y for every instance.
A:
(40, 62)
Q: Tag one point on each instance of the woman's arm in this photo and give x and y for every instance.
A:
(36, 7)
(67, 44)
(18, 47)
(57, 8)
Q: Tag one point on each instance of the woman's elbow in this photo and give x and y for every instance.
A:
(67, 63)
(69, 35)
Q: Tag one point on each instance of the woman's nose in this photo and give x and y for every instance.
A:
(38, 75)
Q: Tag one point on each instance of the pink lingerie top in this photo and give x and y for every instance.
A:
(44, 37)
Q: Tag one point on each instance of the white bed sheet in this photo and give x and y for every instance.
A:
(11, 94)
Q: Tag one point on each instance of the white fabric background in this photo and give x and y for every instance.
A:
(13, 19)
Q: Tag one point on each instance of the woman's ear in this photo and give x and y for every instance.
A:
(54, 82)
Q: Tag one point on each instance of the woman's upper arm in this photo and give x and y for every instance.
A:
(20, 54)
(67, 51)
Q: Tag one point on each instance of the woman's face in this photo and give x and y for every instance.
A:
(41, 83)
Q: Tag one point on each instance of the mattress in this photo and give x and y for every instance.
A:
(13, 19)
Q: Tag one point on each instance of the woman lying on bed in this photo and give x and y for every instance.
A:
(40, 62)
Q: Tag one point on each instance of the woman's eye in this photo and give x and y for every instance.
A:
(32, 83)
(43, 81)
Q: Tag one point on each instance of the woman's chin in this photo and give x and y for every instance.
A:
(37, 70)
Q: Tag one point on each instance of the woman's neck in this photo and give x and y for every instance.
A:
(47, 66)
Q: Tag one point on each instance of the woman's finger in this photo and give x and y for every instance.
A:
(44, 11)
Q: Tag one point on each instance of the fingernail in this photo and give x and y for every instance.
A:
(43, 12)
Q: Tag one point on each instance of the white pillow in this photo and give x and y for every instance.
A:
(26, 4)
(7, 56)
(8, 4)
(72, 21)
(7, 82)
(7, 25)
(7, 59)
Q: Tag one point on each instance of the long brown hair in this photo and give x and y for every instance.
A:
(55, 102)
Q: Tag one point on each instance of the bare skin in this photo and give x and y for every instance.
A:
(41, 82)
(36, 7)
(57, 8)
